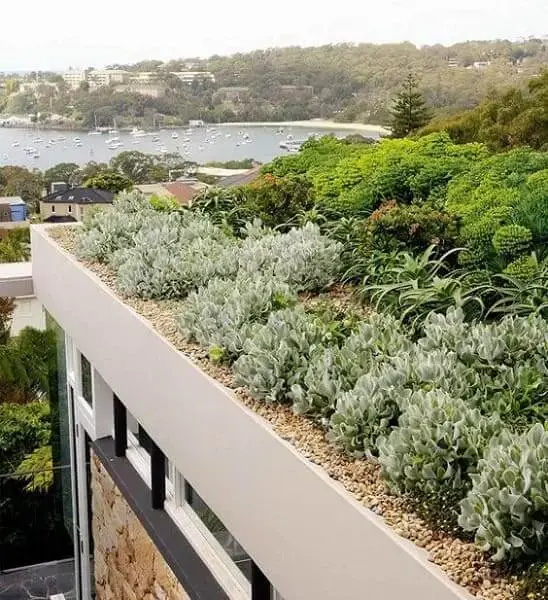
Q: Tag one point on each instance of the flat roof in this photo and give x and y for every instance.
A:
(16, 279)
(11, 200)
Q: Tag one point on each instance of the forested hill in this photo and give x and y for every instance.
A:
(357, 82)
(347, 82)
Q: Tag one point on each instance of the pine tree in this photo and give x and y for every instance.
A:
(410, 111)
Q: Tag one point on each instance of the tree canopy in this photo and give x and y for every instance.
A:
(409, 112)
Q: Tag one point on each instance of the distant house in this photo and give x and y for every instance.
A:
(71, 204)
(153, 90)
(481, 64)
(234, 93)
(182, 191)
(13, 213)
(241, 178)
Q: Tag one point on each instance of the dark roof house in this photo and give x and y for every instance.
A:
(79, 195)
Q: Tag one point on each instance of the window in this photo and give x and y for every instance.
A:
(70, 208)
(85, 373)
(212, 522)
(229, 562)
(53, 208)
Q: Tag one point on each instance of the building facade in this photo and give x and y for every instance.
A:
(179, 491)
(16, 282)
(72, 204)
(73, 78)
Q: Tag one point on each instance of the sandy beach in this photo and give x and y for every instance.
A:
(316, 123)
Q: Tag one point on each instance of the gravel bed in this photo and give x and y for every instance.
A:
(463, 562)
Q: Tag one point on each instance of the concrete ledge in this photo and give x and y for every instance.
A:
(310, 538)
(16, 279)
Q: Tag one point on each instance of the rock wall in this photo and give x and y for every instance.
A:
(128, 565)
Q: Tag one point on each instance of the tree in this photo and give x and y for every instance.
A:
(6, 312)
(135, 165)
(61, 172)
(110, 181)
(410, 112)
(15, 246)
(18, 181)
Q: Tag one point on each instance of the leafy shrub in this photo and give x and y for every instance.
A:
(278, 352)
(507, 506)
(23, 428)
(437, 442)
(512, 240)
(163, 203)
(277, 200)
(414, 226)
(220, 316)
(523, 268)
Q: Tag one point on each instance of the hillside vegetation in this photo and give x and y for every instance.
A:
(345, 81)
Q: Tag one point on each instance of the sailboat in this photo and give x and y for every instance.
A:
(96, 130)
(114, 130)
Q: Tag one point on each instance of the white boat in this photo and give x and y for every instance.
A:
(61, 138)
(52, 141)
(37, 155)
(38, 140)
(76, 140)
(162, 149)
(48, 146)
(174, 135)
(112, 140)
(15, 144)
(227, 135)
(136, 141)
(94, 132)
(78, 145)
(155, 139)
(186, 140)
(137, 132)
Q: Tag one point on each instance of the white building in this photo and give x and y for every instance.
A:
(192, 495)
(104, 77)
(190, 76)
(16, 282)
(73, 78)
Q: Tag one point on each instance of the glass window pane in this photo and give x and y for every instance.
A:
(85, 369)
(219, 531)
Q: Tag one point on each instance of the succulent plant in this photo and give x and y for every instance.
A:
(277, 353)
(507, 506)
(221, 315)
(438, 442)
(367, 412)
(512, 240)
(336, 370)
(113, 227)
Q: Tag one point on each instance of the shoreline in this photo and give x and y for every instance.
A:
(313, 123)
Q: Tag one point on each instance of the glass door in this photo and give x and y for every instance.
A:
(80, 451)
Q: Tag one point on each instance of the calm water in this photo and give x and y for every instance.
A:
(225, 142)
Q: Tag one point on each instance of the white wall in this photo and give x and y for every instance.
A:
(28, 313)
(312, 540)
